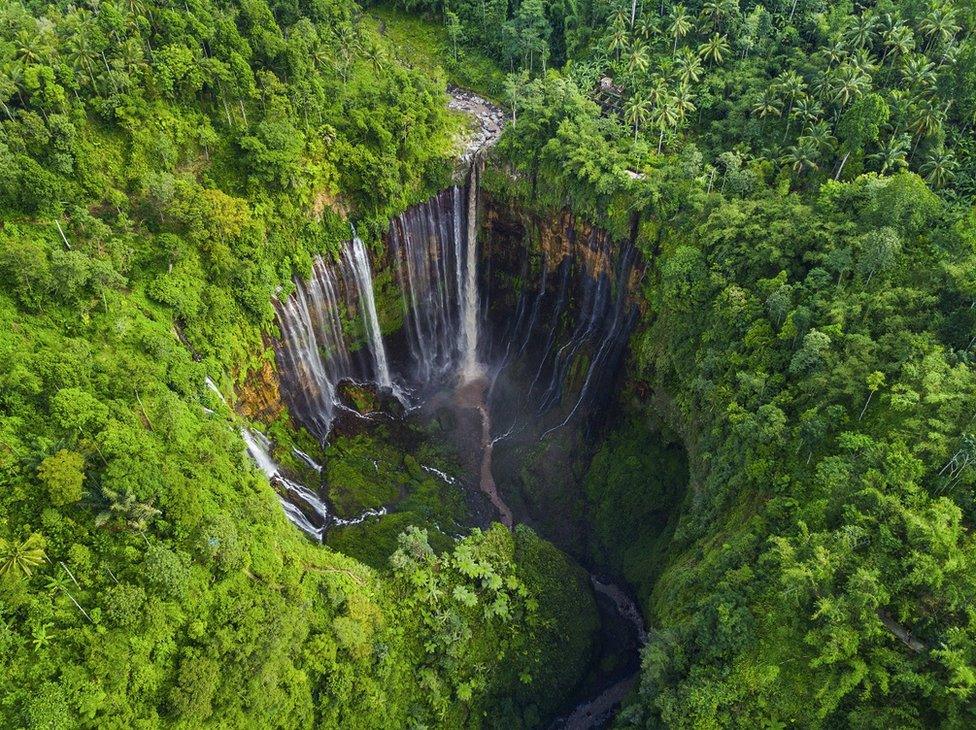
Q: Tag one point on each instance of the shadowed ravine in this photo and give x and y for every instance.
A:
(522, 342)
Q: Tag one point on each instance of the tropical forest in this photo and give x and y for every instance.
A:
(559, 364)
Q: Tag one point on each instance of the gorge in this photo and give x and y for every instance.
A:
(511, 330)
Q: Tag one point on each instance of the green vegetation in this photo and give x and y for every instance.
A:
(811, 340)
(634, 488)
(166, 167)
(799, 177)
(428, 46)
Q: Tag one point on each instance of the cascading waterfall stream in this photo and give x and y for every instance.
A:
(553, 344)
(357, 261)
(470, 368)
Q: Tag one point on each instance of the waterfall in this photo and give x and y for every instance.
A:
(427, 246)
(357, 262)
(259, 448)
(548, 326)
(315, 353)
(470, 368)
(306, 510)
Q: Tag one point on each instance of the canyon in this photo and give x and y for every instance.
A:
(509, 340)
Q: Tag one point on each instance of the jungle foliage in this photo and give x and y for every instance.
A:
(165, 168)
(809, 333)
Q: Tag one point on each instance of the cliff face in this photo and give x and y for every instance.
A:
(259, 396)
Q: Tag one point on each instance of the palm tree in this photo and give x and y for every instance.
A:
(657, 89)
(29, 47)
(863, 61)
(791, 85)
(919, 74)
(125, 508)
(861, 32)
(767, 105)
(939, 26)
(618, 39)
(834, 52)
(374, 54)
(665, 117)
(927, 121)
(680, 24)
(18, 559)
(638, 60)
(689, 66)
(683, 102)
(891, 156)
(646, 27)
(808, 110)
(802, 156)
(714, 49)
(637, 112)
(939, 168)
(899, 41)
(848, 84)
(9, 86)
(715, 12)
(820, 136)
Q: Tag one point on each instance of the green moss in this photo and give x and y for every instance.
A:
(634, 486)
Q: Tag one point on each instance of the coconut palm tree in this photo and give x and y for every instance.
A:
(927, 120)
(638, 60)
(637, 112)
(848, 84)
(864, 62)
(821, 136)
(767, 105)
(715, 12)
(680, 24)
(9, 87)
(688, 66)
(808, 110)
(835, 52)
(18, 559)
(899, 41)
(657, 89)
(790, 85)
(715, 48)
(939, 25)
(125, 508)
(683, 102)
(665, 117)
(646, 27)
(918, 73)
(801, 157)
(939, 168)
(892, 155)
(619, 39)
(861, 32)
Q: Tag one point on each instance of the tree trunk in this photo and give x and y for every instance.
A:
(841, 168)
(866, 404)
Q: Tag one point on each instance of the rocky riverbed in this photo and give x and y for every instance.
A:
(489, 122)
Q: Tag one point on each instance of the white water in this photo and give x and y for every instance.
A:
(358, 262)
(258, 447)
(446, 478)
(470, 367)
(307, 459)
(213, 386)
